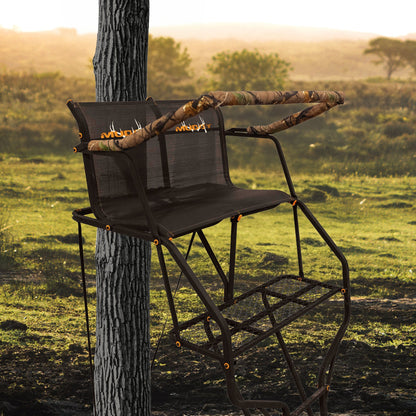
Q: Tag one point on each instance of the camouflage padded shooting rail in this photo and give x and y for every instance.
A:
(325, 100)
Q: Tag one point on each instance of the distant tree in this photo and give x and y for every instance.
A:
(247, 70)
(390, 53)
(169, 69)
(409, 53)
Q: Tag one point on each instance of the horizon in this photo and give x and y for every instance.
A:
(235, 31)
(382, 18)
(166, 30)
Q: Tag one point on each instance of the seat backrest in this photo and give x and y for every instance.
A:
(189, 154)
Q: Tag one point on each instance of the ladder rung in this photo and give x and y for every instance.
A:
(283, 323)
(247, 328)
(247, 325)
(281, 296)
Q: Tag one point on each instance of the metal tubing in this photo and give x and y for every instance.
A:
(214, 260)
(326, 370)
(87, 321)
(320, 393)
(298, 245)
(282, 324)
(228, 297)
(204, 296)
(345, 270)
(243, 133)
(210, 336)
(287, 356)
(227, 359)
(176, 289)
(167, 287)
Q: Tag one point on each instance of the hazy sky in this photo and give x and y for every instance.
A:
(387, 18)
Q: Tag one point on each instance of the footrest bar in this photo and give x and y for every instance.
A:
(283, 323)
(247, 325)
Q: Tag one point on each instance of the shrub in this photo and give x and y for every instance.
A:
(394, 129)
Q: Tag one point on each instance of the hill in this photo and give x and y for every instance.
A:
(258, 32)
(62, 50)
(315, 54)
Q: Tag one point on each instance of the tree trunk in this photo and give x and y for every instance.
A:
(122, 368)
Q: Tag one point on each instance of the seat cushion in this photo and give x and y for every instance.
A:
(178, 211)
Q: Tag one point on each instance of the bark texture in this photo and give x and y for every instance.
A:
(122, 368)
(120, 59)
(122, 372)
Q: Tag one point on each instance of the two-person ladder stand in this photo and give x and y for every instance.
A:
(154, 176)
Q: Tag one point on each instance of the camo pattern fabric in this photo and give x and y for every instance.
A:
(326, 100)
(291, 120)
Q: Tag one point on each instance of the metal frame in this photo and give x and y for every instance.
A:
(220, 347)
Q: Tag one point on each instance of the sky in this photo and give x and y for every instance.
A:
(382, 17)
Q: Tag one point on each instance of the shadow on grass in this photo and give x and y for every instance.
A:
(370, 380)
(33, 381)
(374, 379)
(66, 239)
(54, 267)
(373, 287)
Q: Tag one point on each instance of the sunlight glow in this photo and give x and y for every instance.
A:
(381, 17)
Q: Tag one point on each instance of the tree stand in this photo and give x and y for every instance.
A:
(152, 175)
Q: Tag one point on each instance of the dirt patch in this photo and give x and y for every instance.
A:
(368, 380)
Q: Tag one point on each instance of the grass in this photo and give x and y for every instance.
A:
(371, 219)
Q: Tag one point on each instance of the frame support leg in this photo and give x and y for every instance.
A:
(286, 354)
(297, 233)
(233, 242)
(87, 321)
(216, 264)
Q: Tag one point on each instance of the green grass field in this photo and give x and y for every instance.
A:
(355, 167)
(372, 219)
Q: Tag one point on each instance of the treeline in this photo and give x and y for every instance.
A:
(33, 114)
(312, 58)
(170, 74)
(373, 133)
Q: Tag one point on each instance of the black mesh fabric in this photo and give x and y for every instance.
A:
(195, 150)
(184, 171)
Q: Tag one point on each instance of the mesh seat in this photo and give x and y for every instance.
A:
(178, 183)
(184, 172)
(181, 211)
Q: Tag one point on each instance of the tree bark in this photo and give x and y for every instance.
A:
(122, 364)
